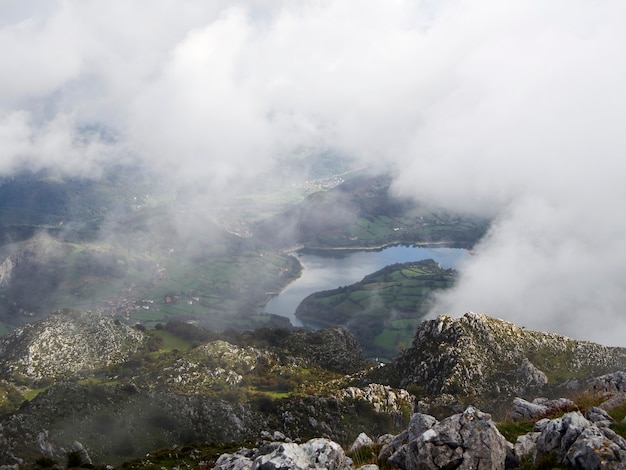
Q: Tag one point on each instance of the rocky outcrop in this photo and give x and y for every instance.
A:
(469, 440)
(575, 441)
(335, 349)
(315, 454)
(65, 343)
(610, 384)
(484, 357)
(383, 398)
(539, 408)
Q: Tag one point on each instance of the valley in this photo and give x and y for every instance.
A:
(121, 246)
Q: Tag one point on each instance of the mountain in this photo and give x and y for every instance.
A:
(65, 344)
(120, 392)
(487, 361)
(80, 384)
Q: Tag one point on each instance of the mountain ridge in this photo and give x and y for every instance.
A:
(236, 386)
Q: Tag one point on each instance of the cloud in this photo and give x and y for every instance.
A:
(510, 109)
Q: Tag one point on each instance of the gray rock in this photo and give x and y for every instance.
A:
(279, 436)
(529, 375)
(82, 454)
(527, 411)
(596, 449)
(385, 439)
(526, 444)
(619, 399)
(396, 450)
(524, 410)
(316, 453)
(541, 424)
(599, 417)
(393, 446)
(420, 423)
(370, 466)
(462, 441)
(362, 440)
(579, 442)
(611, 383)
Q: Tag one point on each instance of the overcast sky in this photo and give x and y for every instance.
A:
(512, 109)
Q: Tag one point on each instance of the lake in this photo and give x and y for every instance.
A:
(329, 269)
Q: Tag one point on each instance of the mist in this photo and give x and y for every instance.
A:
(512, 110)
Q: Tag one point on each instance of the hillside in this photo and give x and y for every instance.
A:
(189, 388)
(181, 385)
(361, 212)
(66, 344)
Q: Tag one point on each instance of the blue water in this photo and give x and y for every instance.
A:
(331, 269)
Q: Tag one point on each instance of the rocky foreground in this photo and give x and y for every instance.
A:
(467, 440)
(77, 389)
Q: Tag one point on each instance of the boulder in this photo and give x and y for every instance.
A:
(462, 441)
(597, 448)
(599, 417)
(611, 383)
(528, 411)
(577, 441)
(619, 399)
(79, 455)
(362, 440)
(525, 411)
(526, 444)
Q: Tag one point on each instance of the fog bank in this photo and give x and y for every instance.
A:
(508, 109)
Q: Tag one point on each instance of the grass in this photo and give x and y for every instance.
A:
(33, 392)
(618, 413)
(170, 341)
(511, 430)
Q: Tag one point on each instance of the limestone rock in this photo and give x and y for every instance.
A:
(468, 440)
(315, 454)
(66, 343)
(525, 410)
(578, 442)
(599, 417)
(384, 398)
(597, 448)
(479, 356)
(619, 399)
(362, 440)
(526, 444)
(611, 383)
(82, 456)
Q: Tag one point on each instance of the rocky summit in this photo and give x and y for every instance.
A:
(485, 359)
(65, 343)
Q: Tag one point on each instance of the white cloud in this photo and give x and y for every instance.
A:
(513, 109)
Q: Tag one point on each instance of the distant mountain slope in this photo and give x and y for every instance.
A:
(361, 212)
(485, 360)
